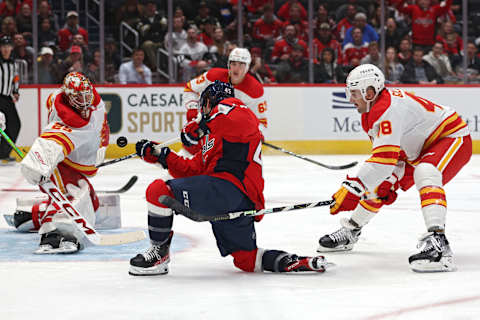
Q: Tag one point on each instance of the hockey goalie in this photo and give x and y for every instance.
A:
(66, 152)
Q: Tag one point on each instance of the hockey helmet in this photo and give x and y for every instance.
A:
(79, 92)
(213, 94)
(240, 55)
(363, 77)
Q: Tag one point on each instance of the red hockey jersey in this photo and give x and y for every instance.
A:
(231, 151)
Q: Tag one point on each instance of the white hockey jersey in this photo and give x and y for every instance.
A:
(249, 91)
(80, 138)
(401, 126)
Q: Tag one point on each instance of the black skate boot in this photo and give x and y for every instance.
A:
(341, 240)
(294, 263)
(154, 261)
(435, 254)
(55, 242)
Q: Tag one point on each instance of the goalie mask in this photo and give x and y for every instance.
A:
(79, 93)
(363, 77)
(212, 95)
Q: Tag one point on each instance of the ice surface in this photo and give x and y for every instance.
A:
(371, 282)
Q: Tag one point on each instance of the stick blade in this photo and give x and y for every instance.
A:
(121, 238)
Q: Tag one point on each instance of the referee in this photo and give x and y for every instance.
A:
(9, 82)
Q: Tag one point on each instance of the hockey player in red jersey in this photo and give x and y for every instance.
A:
(225, 176)
(247, 88)
(414, 141)
(66, 153)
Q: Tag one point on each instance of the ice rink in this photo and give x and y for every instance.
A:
(373, 281)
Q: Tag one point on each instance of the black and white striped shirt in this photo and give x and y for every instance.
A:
(9, 79)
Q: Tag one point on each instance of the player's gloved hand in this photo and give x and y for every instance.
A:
(193, 131)
(162, 156)
(348, 196)
(145, 150)
(387, 190)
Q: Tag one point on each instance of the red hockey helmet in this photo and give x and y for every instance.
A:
(79, 92)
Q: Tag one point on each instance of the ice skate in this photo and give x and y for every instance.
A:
(341, 240)
(153, 262)
(54, 242)
(294, 263)
(435, 254)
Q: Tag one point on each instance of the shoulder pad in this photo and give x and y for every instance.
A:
(250, 86)
(217, 74)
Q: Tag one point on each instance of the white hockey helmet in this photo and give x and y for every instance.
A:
(240, 55)
(363, 77)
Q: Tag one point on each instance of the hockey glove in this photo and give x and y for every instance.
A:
(386, 191)
(348, 196)
(193, 131)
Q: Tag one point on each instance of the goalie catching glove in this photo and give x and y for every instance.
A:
(348, 196)
(147, 150)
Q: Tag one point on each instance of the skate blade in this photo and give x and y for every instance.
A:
(153, 271)
(424, 266)
(336, 249)
(60, 250)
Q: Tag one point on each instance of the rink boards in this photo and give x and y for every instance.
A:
(310, 119)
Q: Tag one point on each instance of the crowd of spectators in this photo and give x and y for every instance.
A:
(422, 39)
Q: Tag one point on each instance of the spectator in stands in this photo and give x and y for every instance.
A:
(23, 52)
(283, 48)
(356, 49)
(346, 23)
(129, 12)
(324, 40)
(222, 10)
(295, 19)
(419, 71)
(284, 11)
(405, 51)
(295, 68)
(368, 33)
(9, 27)
(135, 71)
(65, 35)
(24, 22)
(46, 36)
(323, 17)
(112, 59)
(152, 27)
(452, 43)
(393, 69)
(328, 71)
(46, 68)
(266, 29)
(254, 7)
(393, 35)
(179, 35)
(222, 57)
(231, 31)
(218, 46)
(44, 12)
(203, 14)
(374, 56)
(73, 62)
(473, 62)
(259, 69)
(342, 11)
(10, 8)
(93, 68)
(440, 62)
(78, 40)
(192, 57)
(424, 18)
(207, 27)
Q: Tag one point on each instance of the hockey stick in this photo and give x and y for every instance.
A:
(123, 189)
(345, 166)
(132, 155)
(179, 208)
(76, 218)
